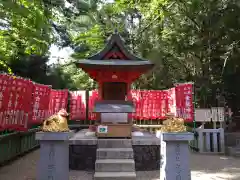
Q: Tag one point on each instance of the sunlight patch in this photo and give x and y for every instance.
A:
(199, 175)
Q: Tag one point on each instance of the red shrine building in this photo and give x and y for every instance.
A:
(114, 69)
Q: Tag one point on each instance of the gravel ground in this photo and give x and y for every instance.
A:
(207, 167)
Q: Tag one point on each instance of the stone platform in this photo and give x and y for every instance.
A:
(83, 149)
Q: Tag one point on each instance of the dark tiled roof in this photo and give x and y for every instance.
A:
(115, 41)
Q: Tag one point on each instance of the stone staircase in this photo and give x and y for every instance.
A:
(234, 151)
(234, 125)
(115, 160)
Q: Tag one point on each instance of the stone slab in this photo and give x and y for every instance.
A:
(54, 136)
(83, 157)
(177, 136)
(233, 151)
(175, 156)
(151, 141)
(115, 165)
(115, 176)
(115, 153)
(147, 158)
(54, 155)
(114, 143)
(82, 138)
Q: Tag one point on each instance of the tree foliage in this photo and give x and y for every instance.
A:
(188, 40)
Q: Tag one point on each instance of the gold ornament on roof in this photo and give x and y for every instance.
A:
(173, 124)
(56, 122)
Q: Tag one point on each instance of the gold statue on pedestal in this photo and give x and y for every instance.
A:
(173, 124)
(56, 122)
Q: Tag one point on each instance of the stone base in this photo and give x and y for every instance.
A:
(54, 136)
(175, 156)
(83, 157)
(54, 159)
(83, 150)
(115, 176)
(147, 157)
(233, 151)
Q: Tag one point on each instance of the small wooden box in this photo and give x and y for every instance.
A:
(115, 130)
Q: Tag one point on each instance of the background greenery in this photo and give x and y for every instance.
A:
(189, 40)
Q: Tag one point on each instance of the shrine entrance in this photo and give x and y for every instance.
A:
(118, 90)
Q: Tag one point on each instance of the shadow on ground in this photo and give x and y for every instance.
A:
(215, 167)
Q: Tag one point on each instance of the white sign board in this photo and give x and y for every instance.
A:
(217, 114)
(202, 115)
(102, 129)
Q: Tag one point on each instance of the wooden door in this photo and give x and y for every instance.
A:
(114, 90)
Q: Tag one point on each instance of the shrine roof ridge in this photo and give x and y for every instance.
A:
(115, 40)
(115, 62)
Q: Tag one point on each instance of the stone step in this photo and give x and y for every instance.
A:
(114, 143)
(237, 154)
(233, 151)
(114, 165)
(115, 176)
(115, 153)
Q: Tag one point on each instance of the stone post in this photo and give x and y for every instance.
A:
(175, 156)
(54, 155)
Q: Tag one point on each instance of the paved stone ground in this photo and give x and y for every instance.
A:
(207, 167)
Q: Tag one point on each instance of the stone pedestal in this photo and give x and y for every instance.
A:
(54, 155)
(175, 156)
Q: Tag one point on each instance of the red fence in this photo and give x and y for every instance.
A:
(40, 102)
(58, 100)
(93, 96)
(154, 104)
(77, 105)
(24, 103)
